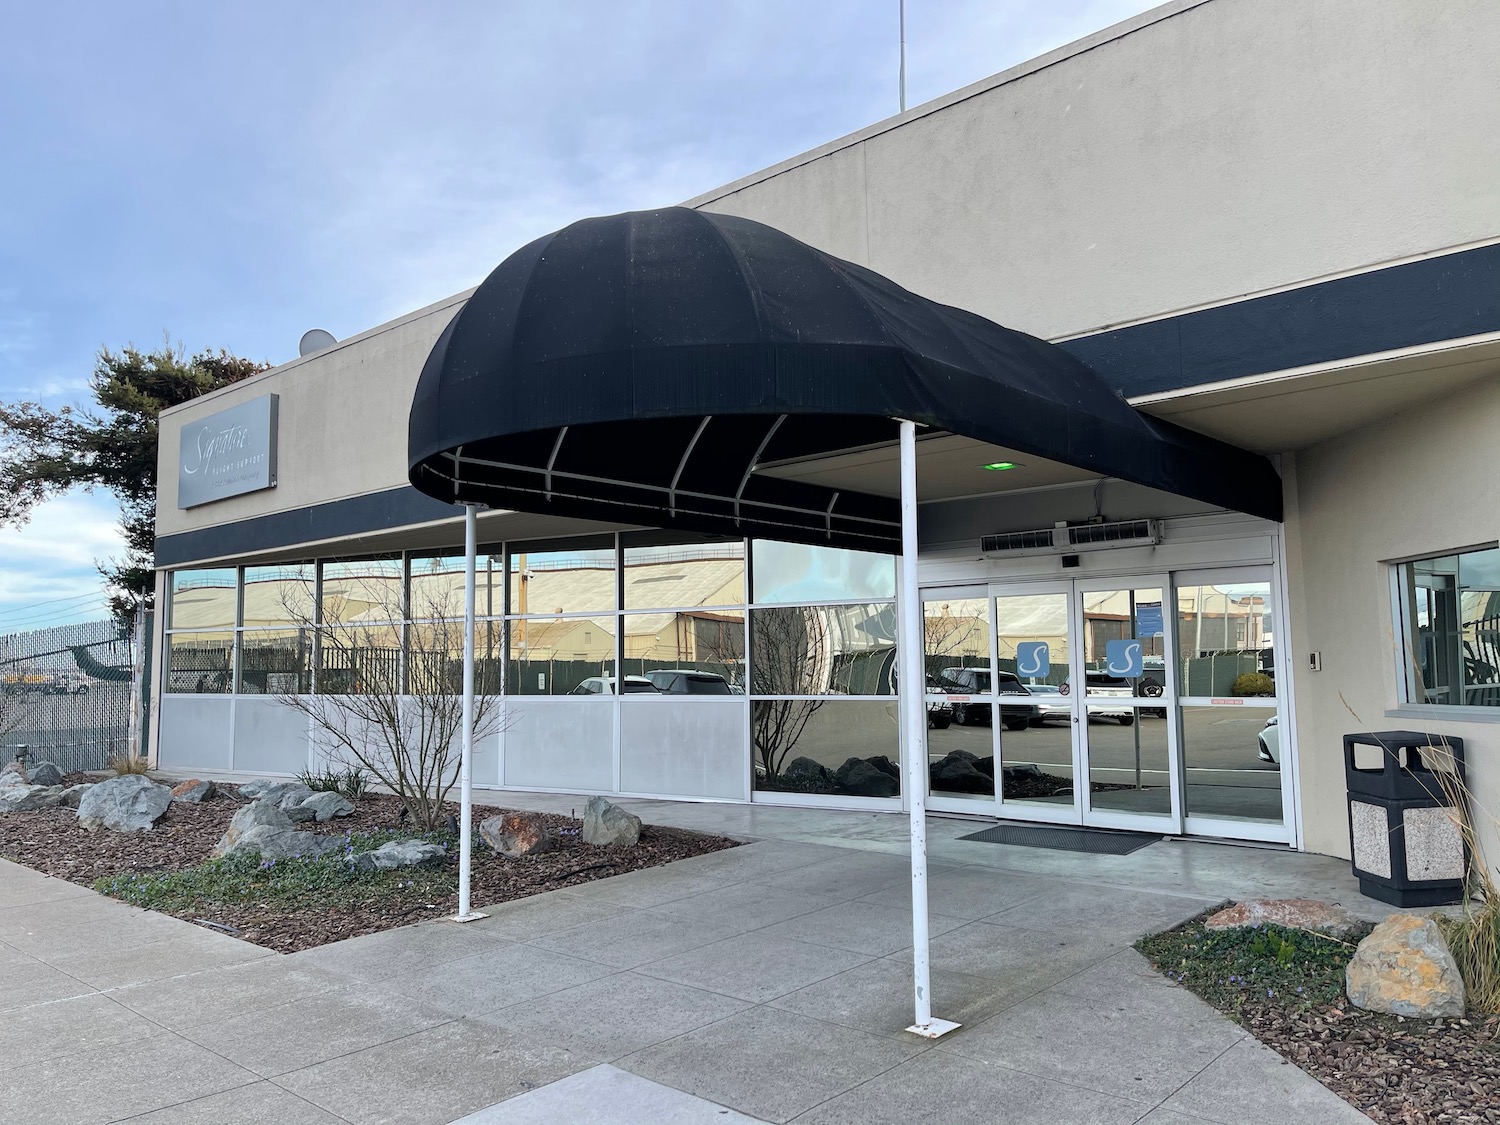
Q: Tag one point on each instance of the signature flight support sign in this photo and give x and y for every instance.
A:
(228, 453)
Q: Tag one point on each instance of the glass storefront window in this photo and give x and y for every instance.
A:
(823, 650)
(203, 599)
(685, 575)
(200, 663)
(276, 661)
(1224, 638)
(362, 591)
(1450, 629)
(792, 572)
(279, 595)
(437, 586)
(688, 653)
(1232, 757)
(552, 583)
(834, 747)
(360, 660)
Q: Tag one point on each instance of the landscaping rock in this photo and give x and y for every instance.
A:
(1296, 913)
(286, 795)
(271, 842)
(13, 784)
(253, 789)
(859, 778)
(73, 794)
(399, 853)
(886, 766)
(45, 773)
(129, 803)
(958, 775)
(1404, 968)
(40, 797)
(326, 806)
(194, 791)
(13, 773)
(254, 815)
(517, 835)
(806, 772)
(607, 824)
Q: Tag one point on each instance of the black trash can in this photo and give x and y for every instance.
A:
(1407, 848)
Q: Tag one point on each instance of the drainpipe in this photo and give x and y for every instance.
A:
(913, 709)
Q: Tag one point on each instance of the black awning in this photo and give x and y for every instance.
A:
(637, 368)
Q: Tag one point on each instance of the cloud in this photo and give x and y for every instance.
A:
(48, 570)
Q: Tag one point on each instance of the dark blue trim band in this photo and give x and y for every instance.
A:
(1443, 298)
(357, 515)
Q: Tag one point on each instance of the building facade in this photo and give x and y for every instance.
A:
(1273, 222)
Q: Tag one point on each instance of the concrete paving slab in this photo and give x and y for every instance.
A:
(527, 918)
(958, 1091)
(742, 907)
(261, 1103)
(1250, 1084)
(1136, 1040)
(63, 927)
(83, 1023)
(431, 1077)
(21, 886)
(273, 1041)
(405, 949)
(754, 967)
(218, 995)
(1167, 1117)
(846, 877)
(186, 950)
(769, 1064)
(119, 1081)
(652, 887)
(861, 926)
(615, 1015)
(633, 938)
(483, 982)
(607, 1095)
(1069, 908)
(877, 997)
(1020, 957)
(971, 893)
(24, 983)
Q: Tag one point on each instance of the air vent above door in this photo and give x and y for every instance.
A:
(1067, 540)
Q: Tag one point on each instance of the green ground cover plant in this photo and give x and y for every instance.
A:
(329, 880)
(1230, 967)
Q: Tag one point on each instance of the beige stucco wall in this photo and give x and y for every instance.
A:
(1222, 148)
(342, 422)
(1422, 483)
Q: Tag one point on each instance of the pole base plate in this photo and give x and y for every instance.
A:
(472, 916)
(934, 1029)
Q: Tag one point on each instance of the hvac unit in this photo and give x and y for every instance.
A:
(1070, 539)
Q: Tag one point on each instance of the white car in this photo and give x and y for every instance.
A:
(1269, 740)
(605, 685)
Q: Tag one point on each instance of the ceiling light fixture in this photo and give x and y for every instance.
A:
(1001, 466)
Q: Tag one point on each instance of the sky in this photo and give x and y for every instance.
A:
(230, 175)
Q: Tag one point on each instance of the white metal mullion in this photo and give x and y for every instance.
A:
(1176, 768)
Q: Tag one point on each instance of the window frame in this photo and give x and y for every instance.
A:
(1402, 626)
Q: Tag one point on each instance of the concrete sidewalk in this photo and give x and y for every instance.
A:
(770, 982)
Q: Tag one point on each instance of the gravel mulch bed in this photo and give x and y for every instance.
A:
(50, 841)
(1396, 1071)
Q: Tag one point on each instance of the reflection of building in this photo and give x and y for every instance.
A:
(1212, 276)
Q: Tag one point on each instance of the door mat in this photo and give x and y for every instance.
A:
(1100, 841)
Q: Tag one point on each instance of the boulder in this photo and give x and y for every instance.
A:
(129, 803)
(253, 789)
(285, 795)
(965, 755)
(12, 773)
(254, 815)
(40, 797)
(1404, 968)
(73, 794)
(859, 778)
(807, 773)
(399, 853)
(515, 835)
(885, 765)
(193, 792)
(957, 775)
(985, 766)
(327, 805)
(607, 824)
(13, 783)
(300, 814)
(45, 773)
(1294, 913)
(271, 842)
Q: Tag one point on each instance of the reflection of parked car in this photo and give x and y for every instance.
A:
(685, 681)
(605, 685)
(1101, 685)
(977, 681)
(1269, 740)
(939, 712)
(1051, 703)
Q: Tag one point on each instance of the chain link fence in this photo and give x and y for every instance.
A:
(66, 692)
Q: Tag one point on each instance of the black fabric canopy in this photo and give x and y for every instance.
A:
(638, 368)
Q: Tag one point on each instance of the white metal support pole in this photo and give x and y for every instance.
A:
(466, 762)
(913, 687)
